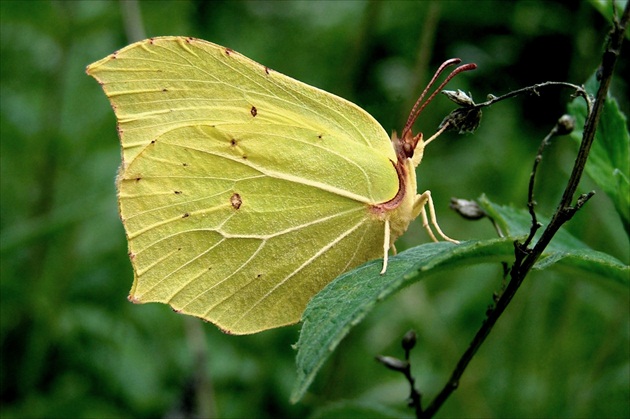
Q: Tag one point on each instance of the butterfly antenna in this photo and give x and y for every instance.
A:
(420, 105)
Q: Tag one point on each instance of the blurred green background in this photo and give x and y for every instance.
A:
(71, 344)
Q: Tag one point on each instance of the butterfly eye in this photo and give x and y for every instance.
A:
(408, 150)
(407, 145)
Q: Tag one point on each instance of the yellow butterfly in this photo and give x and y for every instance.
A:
(243, 192)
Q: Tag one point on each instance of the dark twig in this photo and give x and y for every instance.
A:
(525, 258)
(404, 367)
(534, 89)
(467, 116)
(564, 126)
(531, 203)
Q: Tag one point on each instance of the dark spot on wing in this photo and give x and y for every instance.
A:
(254, 111)
(177, 192)
(236, 201)
(186, 215)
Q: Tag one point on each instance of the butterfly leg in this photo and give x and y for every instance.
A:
(386, 246)
(419, 207)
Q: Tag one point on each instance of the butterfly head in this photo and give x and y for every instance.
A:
(406, 145)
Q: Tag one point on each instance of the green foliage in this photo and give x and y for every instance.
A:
(352, 410)
(333, 312)
(71, 344)
(609, 160)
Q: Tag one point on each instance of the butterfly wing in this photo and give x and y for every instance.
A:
(243, 192)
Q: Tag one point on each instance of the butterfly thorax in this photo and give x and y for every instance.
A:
(400, 209)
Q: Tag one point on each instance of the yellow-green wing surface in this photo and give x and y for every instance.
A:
(243, 192)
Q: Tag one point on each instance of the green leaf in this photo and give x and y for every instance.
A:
(348, 299)
(565, 249)
(357, 409)
(608, 162)
(587, 260)
(516, 223)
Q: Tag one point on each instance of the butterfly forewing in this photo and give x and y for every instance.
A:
(243, 192)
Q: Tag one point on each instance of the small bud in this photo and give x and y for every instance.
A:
(466, 118)
(393, 363)
(459, 97)
(470, 210)
(565, 125)
(409, 340)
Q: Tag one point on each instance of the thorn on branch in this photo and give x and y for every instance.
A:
(583, 199)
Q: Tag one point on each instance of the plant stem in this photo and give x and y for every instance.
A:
(534, 90)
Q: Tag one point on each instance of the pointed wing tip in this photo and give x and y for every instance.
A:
(91, 68)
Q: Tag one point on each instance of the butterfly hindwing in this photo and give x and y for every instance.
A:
(204, 241)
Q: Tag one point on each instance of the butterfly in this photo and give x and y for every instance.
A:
(243, 192)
